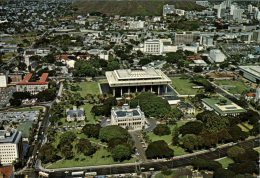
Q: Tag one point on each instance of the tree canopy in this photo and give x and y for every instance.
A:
(151, 104)
(112, 132)
(159, 149)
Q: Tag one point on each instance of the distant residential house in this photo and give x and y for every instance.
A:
(75, 114)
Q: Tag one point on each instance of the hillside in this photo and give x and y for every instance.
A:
(132, 7)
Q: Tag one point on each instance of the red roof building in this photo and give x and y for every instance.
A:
(6, 171)
(33, 87)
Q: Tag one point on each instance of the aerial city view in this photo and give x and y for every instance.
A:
(129, 88)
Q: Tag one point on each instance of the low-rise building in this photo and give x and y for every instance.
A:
(251, 73)
(222, 106)
(34, 87)
(216, 56)
(10, 146)
(186, 108)
(132, 119)
(137, 80)
(3, 80)
(75, 114)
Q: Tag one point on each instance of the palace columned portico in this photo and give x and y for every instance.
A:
(137, 80)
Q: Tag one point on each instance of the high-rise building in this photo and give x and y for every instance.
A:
(250, 8)
(256, 36)
(10, 146)
(257, 94)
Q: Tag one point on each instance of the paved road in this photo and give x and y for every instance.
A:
(137, 137)
(144, 167)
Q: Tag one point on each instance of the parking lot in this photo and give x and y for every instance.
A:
(19, 116)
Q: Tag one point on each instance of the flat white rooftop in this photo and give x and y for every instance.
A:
(254, 70)
(136, 77)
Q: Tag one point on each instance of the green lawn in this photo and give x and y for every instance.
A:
(183, 86)
(168, 139)
(225, 162)
(236, 86)
(25, 128)
(90, 118)
(101, 157)
(88, 88)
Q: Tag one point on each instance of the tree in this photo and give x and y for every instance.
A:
(67, 137)
(224, 136)
(15, 102)
(151, 104)
(84, 146)
(223, 173)
(209, 139)
(48, 153)
(237, 134)
(158, 149)
(248, 155)
(234, 151)
(113, 131)
(161, 129)
(190, 142)
(197, 69)
(250, 167)
(66, 151)
(121, 152)
(193, 127)
(91, 130)
(46, 95)
(175, 136)
(113, 65)
(203, 164)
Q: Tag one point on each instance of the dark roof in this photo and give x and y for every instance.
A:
(124, 113)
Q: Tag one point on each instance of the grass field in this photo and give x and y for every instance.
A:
(225, 162)
(8, 56)
(184, 86)
(88, 88)
(168, 139)
(236, 86)
(25, 128)
(90, 118)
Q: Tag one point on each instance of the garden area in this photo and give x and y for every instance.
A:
(178, 151)
(91, 146)
(232, 86)
(183, 85)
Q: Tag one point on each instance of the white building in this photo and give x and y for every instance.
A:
(179, 12)
(136, 24)
(132, 119)
(10, 146)
(237, 14)
(153, 46)
(257, 94)
(215, 55)
(3, 80)
(203, 3)
(75, 114)
(168, 9)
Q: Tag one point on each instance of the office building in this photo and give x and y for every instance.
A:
(33, 87)
(75, 114)
(153, 46)
(137, 80)
(251, 73)
(10, 146)
(256, 36)
(216, 56)
(222, 106)
(132, 119)
(183, 38)
(257, 94)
